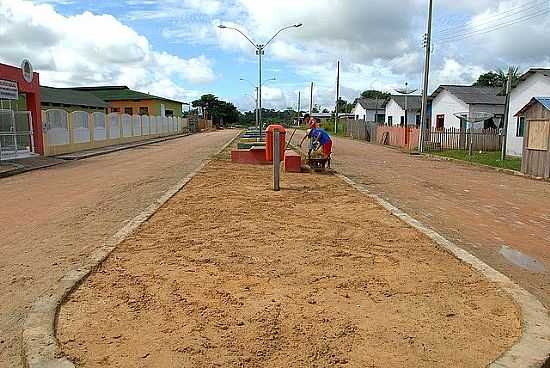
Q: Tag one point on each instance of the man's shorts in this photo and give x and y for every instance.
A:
(327, 148)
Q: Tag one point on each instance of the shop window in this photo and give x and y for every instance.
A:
(520, 129)
(144, 111)
(169, 113)
(129, 110)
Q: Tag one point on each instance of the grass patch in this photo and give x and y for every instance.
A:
(484, 158)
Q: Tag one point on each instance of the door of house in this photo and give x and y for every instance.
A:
(440, 122)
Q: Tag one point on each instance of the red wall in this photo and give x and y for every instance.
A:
(33, 100)
(396, 136)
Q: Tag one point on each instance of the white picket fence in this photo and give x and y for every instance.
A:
(63, 128)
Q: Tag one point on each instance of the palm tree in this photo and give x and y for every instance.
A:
(503, 76)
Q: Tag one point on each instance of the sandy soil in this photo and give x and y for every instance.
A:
(502, 219)
(51, 219)
(231, 274)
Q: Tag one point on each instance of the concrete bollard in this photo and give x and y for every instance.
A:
(276, 161)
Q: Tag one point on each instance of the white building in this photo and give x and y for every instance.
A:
(395, 110)
(449, 100)
(534, 83)
(369, 109)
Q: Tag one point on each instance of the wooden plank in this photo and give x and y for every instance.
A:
(539, 134)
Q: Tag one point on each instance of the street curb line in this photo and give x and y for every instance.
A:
(40, 346)
(15, 172)
(483, 166)
(533, 348)
(65, 156)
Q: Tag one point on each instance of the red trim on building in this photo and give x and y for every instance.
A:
(32, 90)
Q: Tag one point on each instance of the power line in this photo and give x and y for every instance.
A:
(481, 31)
(502, 15)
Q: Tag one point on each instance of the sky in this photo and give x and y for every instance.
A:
(173, 48)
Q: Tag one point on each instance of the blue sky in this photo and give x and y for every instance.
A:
(172, 47)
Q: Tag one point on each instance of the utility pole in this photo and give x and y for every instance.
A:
(506, 113)
(427, 46)
(337, 97)
(311, 99)
(299, 106)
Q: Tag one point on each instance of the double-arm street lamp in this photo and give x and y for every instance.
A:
(257, 96)
(406, 91)
(260, 51)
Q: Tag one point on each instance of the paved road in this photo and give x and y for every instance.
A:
(502, 219)
(51, 219)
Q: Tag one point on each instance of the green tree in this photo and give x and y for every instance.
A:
(498, 78)
(375, 94)
(222, 112)
(344, 106)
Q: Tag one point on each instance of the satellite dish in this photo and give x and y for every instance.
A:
(26, 69)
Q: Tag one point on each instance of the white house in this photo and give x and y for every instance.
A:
(449, 100)
(395, 110)
(534, 83)
(369, 109)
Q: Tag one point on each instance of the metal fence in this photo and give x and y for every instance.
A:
(16, 134)
(69, 132)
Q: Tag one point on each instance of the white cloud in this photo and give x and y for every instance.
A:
(86, 49)
(379, 42)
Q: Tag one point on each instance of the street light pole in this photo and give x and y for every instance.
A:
(256, 90)
(260, 51)
(406, 91)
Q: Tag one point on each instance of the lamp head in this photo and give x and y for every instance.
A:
(298, 25)
(221, 26)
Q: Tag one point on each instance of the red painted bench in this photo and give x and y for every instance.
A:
(255, 155)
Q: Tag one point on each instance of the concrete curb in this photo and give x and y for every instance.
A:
(23, 169)
(483, 166)
(533, 348)
(40, 346)
(75, 157)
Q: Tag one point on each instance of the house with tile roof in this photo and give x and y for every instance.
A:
(370, 109)
(123, 100)
(448, 100)
(397, 105)
(535, 82)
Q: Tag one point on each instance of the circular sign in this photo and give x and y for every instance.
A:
(26, 69)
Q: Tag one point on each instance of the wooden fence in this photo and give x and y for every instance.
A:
(360, 129)
(459, 139)
(436, 140)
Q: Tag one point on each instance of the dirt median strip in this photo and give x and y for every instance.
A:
(229, 273)
(40, 346)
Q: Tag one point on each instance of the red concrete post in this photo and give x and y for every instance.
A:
(33, 104)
